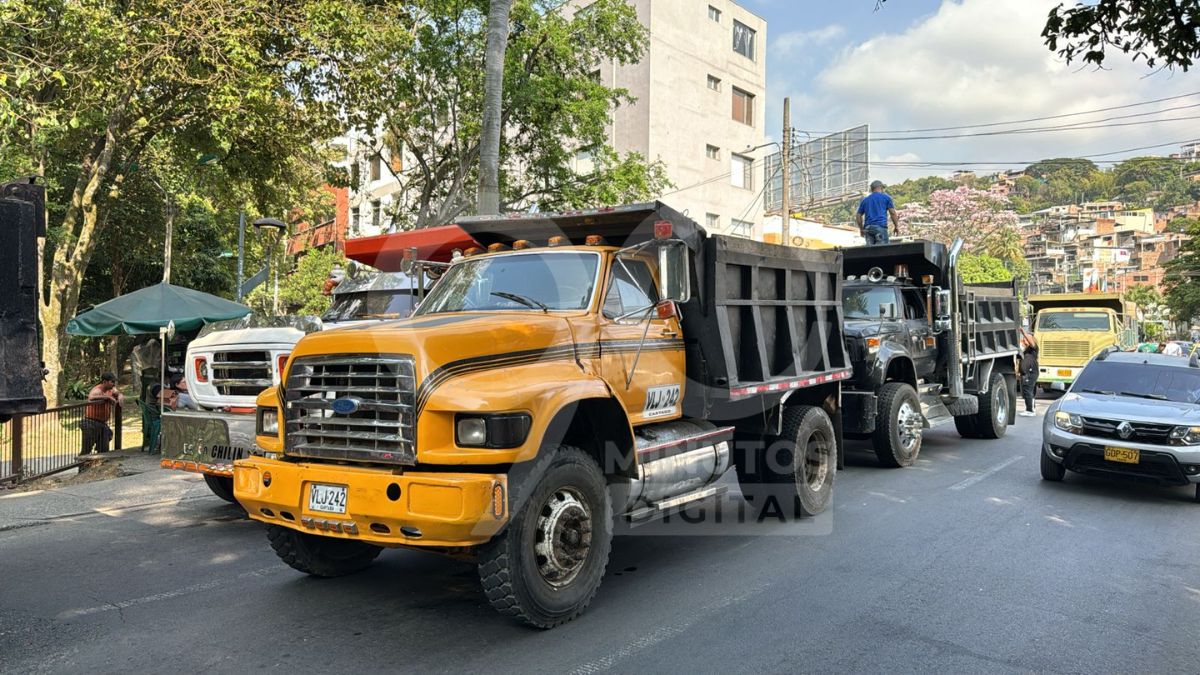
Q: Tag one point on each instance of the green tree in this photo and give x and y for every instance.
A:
(301, 289)
(1076, 168)
(980, 268)
(1183, 277)
(1143, 295)
(1156, 31)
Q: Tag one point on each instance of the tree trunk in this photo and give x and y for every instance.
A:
(493, 90)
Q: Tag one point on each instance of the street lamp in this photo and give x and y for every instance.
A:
(280, 229)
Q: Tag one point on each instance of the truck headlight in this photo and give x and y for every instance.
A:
(268, 422)
(1068, 422)
(1185, 436)
(502, 430)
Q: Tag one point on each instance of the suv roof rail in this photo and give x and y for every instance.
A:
(1106, 351)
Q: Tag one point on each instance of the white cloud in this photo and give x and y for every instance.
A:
(978, 61)
(794, 42)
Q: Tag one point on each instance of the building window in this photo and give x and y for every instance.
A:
(712, 221)
(712, 152)
(741, 228)
(376, 213)
(714, 14)
(714, 83)
(743, 106)
(743, 40)
(376, 166)
(355, 219)
(740, 175)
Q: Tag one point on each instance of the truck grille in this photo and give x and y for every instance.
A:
(1142, 432)
(241, 373)
(379, 394)
(1066, 349)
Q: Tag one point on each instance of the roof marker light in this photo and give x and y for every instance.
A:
(522, 244)
(557, 240)
(662, 229)
(595, 240)
(493, 248)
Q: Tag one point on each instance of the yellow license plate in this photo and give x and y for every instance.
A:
(1125, 455)
(1064, 372)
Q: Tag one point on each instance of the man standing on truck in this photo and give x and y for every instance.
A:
(873, 213)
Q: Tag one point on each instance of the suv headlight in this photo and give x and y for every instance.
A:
(1068, 422)
(505, 430)
(1185, 436)
(268, 422)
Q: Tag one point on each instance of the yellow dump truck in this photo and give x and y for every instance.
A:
(604, 362)
(1071, 328)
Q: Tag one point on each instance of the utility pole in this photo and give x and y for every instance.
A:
(786, 170)
(241, 252)
(167, 253)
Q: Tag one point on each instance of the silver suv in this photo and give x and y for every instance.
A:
(1128, 414)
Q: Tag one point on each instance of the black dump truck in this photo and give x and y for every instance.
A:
(925, 348)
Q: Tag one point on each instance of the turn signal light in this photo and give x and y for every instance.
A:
(201, 366)
(266, 478)
(666, 310)
(497, 500)
(927, 279)
(281, 365)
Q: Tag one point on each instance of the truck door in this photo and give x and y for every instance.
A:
(647, 377)
(922, 344)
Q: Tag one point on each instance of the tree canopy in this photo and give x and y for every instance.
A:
(1160, 32)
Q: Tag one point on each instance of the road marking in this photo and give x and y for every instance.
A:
(166, 595)
(964, 484)
(658, 635)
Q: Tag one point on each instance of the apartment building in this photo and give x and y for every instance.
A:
(700, 89)
(376, 191)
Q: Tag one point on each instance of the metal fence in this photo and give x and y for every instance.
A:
(32, 446)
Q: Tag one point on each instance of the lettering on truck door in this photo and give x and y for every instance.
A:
(655, 378)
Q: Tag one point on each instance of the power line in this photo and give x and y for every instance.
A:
(1034, 130)
(1064, 160)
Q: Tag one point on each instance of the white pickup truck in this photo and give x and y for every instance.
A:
(230, 362)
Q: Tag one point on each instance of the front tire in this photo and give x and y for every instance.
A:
(547, 565)
(1052, 470)
(772, 478)
(221, 486)
(897, 438)
(321, 556)
(992, 419)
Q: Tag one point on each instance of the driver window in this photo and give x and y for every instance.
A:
(914, 304)
(631, 288)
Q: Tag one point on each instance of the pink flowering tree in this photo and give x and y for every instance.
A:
(983, 219)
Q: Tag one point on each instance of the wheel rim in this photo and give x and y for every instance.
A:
(1000, 396)
(817, 456)
(563, 537)
(908, 424)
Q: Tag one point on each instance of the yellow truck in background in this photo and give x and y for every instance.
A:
(1071, 328)
(576, 366)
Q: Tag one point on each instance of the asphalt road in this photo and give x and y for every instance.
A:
(967, 562)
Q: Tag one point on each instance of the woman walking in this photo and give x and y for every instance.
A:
(1029, 372)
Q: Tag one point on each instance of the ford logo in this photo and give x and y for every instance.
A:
(344, 406)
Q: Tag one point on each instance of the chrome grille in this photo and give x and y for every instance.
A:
(241, 373)
(382, 426)
(1142, 432)
(1065, 349)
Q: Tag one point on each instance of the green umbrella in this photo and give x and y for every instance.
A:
(154, 307)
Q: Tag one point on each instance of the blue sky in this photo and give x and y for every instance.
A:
(917, 64)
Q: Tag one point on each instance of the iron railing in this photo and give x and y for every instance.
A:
(32, 446)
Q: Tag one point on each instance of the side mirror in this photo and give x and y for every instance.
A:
(887, 310)
(408, 261)
(941, 304)
(674, 271)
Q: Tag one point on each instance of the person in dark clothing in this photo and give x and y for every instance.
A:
(1029, 373)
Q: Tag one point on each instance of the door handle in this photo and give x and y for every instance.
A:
(669, 333)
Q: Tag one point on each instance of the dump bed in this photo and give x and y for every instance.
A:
(1111, 301)
(991, 321)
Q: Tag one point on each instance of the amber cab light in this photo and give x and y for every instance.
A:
(201, 367)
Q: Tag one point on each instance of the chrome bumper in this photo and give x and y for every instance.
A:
(207, 441)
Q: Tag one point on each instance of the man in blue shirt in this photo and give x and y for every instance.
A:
(873, 213)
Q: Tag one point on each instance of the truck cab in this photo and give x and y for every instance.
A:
(1071, 328)
(566, 369)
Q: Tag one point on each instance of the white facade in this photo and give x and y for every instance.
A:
(700, 108)
(375, 193)
(811, 234)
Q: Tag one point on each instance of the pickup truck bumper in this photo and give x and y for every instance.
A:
(382, 507)
(206, 441)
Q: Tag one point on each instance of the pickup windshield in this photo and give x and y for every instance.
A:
(864, 302)
(562, 280)
(1089, 321)
(370, 305)
(1141, 380)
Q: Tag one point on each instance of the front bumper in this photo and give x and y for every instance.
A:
(206, 441)
(1058, 376)
(426, 510)
(1161, 464)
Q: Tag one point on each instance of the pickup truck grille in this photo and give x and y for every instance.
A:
(241, 373)
(377, 395)
(1065, 349)
(1142, 432)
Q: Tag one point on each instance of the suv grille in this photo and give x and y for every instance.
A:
(241, 373)
(381, 389)
(1065, 349)
(1142, 432)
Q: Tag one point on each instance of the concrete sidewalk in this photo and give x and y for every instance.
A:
(157, 486)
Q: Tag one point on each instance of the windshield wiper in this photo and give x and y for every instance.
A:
(528, 302)
(1156, 397)
(1097, 391)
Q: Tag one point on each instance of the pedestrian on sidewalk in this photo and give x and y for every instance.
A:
(873, 213)
(1029, 373)
(102, 400)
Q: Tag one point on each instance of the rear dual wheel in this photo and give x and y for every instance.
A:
(793, 473)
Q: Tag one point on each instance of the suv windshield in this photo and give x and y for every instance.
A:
(523, 281)
(1140, 380)
(864, 302)
(1093, 321)
(370, 305)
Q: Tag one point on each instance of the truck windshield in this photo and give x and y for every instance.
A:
(1140, 380)
(522, 281)
(370, 305)
(864, 302)
(1092, 321)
